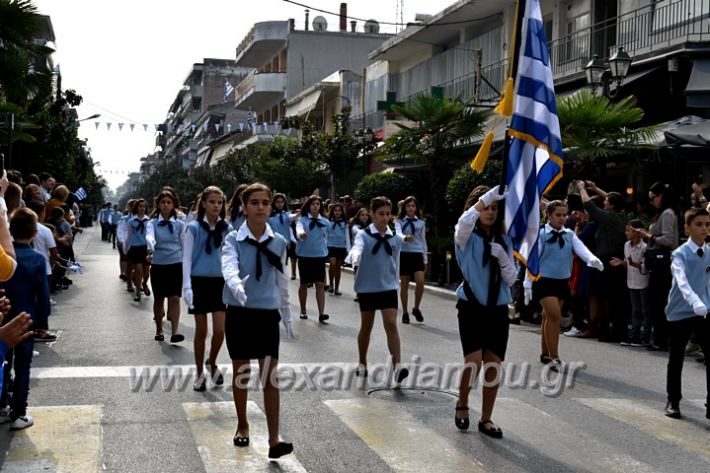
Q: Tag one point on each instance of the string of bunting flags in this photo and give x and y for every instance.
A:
(170, 129)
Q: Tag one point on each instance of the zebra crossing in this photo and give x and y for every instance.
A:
(69, 438)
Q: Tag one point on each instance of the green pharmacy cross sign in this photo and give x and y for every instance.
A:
(386, 105)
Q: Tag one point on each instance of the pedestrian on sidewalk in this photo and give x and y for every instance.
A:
(485, 256)
(136, 247)
(338, 246)
(688, 302)
(166, 239)
(557, 246)
(410, 225)
(256, 294)
(312, 249)
(376, 253)
(202, 280)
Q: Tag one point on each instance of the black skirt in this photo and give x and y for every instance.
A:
(483, 328)
(166, 279)
(311, 270)
(207, 295)
(549, 287)
(137, 254)
(337, 253)
(291, 251)
(410, 263)
(252, 333)
(370, 301)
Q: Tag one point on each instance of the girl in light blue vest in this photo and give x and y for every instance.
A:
(338, 246)
(280, 220)
(360, 221)
(166, 239)
(557, 246)
(312, 249)
(121, 230)
(376, 252)
(136, 247)
(236, 211)
(410, 225)
(485, 256)
(256, 294)
(202, 281)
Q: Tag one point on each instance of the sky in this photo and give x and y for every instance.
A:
(129, 58)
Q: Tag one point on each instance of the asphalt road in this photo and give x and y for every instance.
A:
(107, 397)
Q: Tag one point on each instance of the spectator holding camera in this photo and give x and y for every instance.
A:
(609, 239)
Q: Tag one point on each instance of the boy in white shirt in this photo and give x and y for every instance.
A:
(637, 282)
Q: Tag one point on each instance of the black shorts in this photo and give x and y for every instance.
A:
(370, 301)
(291, 251)
(311, 270)
(166, 279)
(137, 254)
(481, 328)
(548, 287)
(410, 263)
(337, 253)
(252, 333)
(207, 295)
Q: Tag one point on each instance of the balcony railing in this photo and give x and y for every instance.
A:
(246, 84)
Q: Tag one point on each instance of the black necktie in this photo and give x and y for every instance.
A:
(557, 237)
(213, 235)
(494, 269)
(280, 214)
(381, 241)
(700, 252)
(408, 223)
(141, 226)
(271, 257)
(338, 222)
(163, 223)
(314, 222)
(486, 244)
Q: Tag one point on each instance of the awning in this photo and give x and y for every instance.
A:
(305, 105)
(203, 157)
(220, 151)
(695, 135)
(698, 89)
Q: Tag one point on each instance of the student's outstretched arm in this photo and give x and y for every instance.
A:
(581, 250)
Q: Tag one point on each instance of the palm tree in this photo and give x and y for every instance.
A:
(442, 125)
(595, 128)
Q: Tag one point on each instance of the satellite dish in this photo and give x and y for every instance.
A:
(372, 26)
(320, 24)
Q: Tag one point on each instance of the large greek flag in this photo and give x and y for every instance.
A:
(534, 161)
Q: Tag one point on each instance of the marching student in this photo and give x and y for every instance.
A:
(312, 250)
(688, 302)
(280, 222)
(410, 225)
(293, 258)
(136, 247)
(115, 218)
(359, 221)
(376, 253)
(166, 238)
(485, 256)
(236, 211)
(338, 246)
(256, 294)
(126, 273)
(557, 246)
(202, 281)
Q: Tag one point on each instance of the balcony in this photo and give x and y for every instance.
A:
(260, 90)
(262, 43)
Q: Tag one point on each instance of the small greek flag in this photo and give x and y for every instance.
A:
(228, 90)
(80, 193)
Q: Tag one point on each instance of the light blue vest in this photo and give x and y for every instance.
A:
(337, 234)
(137, 238)
(418, 244)
(378, 272)
(279, 223)
(316, 245)
(115, 217)
(168, 249)
(241, 218)
(262, 294)
(697, 271)
(555, 262)
(470, 260)
(203, 264)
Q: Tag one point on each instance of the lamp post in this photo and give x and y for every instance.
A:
(365, 139)
(95, 115)
(598, 74)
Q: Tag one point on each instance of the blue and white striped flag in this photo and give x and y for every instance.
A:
(534, 161)
(80, 193)
(228, 90)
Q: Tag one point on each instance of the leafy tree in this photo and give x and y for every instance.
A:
(466, 179)
(441, 126)
(393, 186)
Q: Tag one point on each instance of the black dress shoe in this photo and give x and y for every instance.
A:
(491, 430)
(418, 315)
(461, 424)
(240, 441)
(280, 449)
(672, 411)
(160, 337)
(323, 317)
(405, 318)
(177, 338)
(545, 358)
(401, 375)
(361, 372)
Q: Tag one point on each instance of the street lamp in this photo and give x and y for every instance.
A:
(598, 74)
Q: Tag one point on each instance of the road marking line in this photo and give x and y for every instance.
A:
(63, 439)
(213, 426)
(402, 441)
(687, 435)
